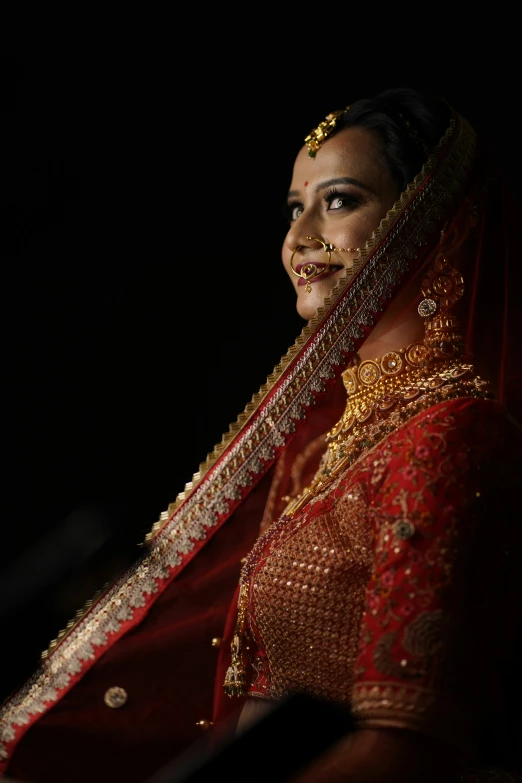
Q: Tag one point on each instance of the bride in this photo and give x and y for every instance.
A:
(353, 537)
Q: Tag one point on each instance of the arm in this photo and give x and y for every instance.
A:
(440, 607)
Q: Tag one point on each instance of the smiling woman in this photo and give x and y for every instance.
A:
(342, 195)
(337, 542)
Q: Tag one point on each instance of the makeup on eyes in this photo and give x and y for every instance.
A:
(350, 199)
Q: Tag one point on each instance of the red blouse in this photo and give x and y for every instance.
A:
(397, 589)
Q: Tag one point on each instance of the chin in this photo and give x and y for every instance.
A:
(307, 308)
(308, 304)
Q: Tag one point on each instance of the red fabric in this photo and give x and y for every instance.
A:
(444, 605)
(317, 424)
(489, 259)
(167, 666)
(456, 580)
(493, 278)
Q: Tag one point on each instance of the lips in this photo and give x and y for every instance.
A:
(333, 269)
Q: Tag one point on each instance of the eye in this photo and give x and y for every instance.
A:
(295, 211)
(336, 200)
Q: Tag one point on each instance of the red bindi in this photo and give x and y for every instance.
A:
(306, 183)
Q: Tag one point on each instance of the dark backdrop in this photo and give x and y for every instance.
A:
(143, 297)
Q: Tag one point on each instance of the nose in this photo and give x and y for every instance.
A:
(300, 235)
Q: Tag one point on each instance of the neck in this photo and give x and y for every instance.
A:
(388, 336)
(399, 326)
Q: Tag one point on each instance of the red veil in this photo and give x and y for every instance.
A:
(457, 201)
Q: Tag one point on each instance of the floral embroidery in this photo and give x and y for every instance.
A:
(413, 497)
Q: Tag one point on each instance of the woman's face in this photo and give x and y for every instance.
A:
(341, 196)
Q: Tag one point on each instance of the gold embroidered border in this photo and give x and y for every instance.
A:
(391, 704)
(407, 706)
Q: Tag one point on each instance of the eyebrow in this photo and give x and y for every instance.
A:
(336, 181)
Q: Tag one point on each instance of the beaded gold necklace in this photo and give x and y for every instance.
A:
(382, 394)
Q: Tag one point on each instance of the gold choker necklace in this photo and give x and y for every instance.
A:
(383, 394)
(373, 385)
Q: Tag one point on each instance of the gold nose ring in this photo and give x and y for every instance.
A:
(310, 270)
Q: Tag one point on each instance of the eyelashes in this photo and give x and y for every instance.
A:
(348, 200)
(334, 199)
(293, 211)
(288, 210)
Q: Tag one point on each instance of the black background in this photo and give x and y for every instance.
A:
(142, 173)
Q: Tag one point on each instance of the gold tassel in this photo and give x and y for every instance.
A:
(235, 678)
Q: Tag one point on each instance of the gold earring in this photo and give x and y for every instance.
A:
(442, 288)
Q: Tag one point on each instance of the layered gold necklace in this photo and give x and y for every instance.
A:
(383, 394)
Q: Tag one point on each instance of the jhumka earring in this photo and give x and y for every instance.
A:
(310, 270)
(442, 288)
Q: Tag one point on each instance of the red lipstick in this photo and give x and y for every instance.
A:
(321, 276)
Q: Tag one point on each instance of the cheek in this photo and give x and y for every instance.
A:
(363, 228)
(285, 257)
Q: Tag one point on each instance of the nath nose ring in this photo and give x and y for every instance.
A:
(310, 270)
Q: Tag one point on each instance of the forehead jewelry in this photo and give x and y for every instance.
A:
(310, 270)
(316, 136)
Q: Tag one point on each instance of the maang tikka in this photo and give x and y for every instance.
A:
(316, 136)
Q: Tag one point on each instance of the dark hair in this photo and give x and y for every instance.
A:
(409, 123)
